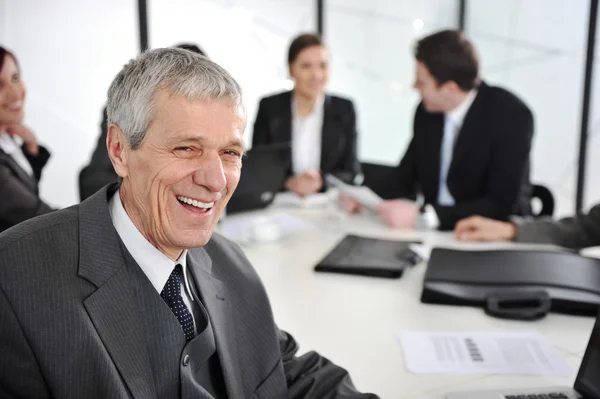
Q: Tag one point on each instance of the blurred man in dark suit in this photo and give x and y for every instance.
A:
(469, 154)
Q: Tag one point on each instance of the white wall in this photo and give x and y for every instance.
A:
(69, 51)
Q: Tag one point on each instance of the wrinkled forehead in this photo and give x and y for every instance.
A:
(179, 115)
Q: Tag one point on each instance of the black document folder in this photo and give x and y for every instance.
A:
(369, 257)
(513, 283)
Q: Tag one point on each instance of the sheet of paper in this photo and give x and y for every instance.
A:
(364, 195)
(240, 228)
(289, 199)
(526, 352)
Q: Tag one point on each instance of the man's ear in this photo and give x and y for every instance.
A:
(118, 150)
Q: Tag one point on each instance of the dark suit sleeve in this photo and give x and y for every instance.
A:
(19, 202)
(20, 375)
(260, 134)
(38, 161)
(574, 232)
(99, 172)
(510, 155)
(349, 167)
(313, 376)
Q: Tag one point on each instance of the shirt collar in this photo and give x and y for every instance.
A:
(457, 115)
(7, 143)
(318, 107)
(156, 265)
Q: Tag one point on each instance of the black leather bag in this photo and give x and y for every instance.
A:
(523, 285)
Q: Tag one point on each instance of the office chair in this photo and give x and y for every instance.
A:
(544, 195)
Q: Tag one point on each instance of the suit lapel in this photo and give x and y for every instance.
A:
(470, 129)
(17, 170)
(112, 307)
(433, 152)
(281, 124)
(215, 298)
(329, 138)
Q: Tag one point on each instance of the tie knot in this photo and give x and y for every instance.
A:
(172, 289)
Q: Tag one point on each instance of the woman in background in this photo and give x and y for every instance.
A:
(321, 128)
(21, 157)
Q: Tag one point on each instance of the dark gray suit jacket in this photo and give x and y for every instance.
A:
(574, 232)
(69, 327)
(19, 199)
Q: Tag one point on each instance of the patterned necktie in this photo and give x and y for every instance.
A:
(171, 294)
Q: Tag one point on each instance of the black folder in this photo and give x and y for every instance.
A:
(517, 284)
(369, 257)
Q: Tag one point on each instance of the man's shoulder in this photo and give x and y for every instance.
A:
(41, 231)
(500, 97)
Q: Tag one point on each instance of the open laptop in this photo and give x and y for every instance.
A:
(587, 383)
(264, 169)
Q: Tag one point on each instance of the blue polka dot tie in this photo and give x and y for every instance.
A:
(171, 294)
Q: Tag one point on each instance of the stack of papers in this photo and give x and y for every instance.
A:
(526, 352)
(361, 194)
(241, 228)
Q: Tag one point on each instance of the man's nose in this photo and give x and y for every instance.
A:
(210, 173)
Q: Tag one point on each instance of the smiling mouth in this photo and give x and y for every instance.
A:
(205, 206)
(15, 107)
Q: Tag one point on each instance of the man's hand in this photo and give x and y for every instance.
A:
(308, 182)
(477, 228)
(26, 135)
(349, 204)
(398, 213)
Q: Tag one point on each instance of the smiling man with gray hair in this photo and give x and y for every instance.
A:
(130, 294)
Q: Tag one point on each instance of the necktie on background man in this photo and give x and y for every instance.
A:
(450, 130)
(171, 294)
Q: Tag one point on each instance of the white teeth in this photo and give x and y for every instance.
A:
(16, 106)
(196, 203)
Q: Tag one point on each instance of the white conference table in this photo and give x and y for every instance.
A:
(353, 320)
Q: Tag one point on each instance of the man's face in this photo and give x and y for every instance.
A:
(177, 183)
(435, 97)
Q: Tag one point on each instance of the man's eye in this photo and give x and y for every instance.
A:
(186, 149)
(233, 153)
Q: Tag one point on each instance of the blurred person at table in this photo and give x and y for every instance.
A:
(320, 127)
(469, 154)
(574, 232)
(100, 172)
(21, 157)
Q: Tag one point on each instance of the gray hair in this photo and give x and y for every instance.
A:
(131, 94)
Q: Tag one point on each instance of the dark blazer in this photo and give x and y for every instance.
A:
(70, 327)
(489, 173)
(19, 199)
(338, 136)
(575, 232)
(99, 172)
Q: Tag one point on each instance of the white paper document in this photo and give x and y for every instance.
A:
(242, 228)
(289, 199)
(526, 352)
(363, 195)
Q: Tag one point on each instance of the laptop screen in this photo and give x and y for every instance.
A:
(588, 379)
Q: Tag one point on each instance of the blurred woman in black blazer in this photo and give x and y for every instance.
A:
(321, 128)
(21, 157)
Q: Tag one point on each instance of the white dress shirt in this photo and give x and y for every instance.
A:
(453, 121)
(155, 265)
(10, 147)
(306, 138)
